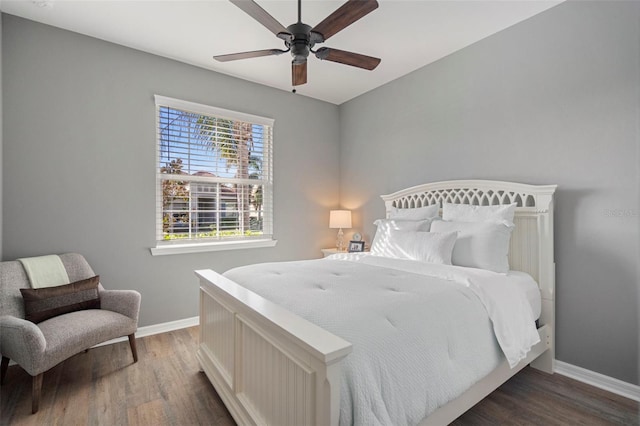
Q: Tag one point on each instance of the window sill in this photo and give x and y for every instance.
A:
(162, 250)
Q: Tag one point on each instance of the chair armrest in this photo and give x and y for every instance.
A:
(125, 302)
(23, 342)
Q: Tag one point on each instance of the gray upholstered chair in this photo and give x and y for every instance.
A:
(39, 347)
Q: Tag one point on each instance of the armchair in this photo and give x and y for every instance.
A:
(39, 347)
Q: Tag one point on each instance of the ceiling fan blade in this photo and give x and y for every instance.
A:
(298, 73)
(254, 10)
(347, 58)
(344, 16)
(247, 55)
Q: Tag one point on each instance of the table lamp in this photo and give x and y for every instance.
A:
(340, 219)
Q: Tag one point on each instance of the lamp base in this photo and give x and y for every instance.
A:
(340, 241)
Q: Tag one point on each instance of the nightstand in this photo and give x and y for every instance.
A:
(329, 251)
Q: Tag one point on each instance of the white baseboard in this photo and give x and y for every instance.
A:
(150, 330)
(598, 380)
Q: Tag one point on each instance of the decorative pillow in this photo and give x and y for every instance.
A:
(481, 245)
(430, 247)
(43, 303)
(502, 213)
(385, 226)
(420, 213)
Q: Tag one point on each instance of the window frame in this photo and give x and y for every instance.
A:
(196, 245)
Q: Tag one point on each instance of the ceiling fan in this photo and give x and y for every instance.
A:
(300, 38)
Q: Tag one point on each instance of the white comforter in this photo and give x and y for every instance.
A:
(421, 333)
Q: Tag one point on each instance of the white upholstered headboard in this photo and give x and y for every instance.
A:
(531, 247)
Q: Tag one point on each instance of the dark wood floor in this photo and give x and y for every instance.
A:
(103, 387)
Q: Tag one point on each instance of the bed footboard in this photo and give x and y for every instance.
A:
(268, 365)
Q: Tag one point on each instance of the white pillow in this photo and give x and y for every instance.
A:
(420, 213)
(385, 226)
(481, 245)
(502, 213)
(431, 247)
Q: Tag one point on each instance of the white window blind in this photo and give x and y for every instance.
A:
(214, 174)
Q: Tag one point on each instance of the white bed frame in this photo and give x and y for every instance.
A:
(271, 367)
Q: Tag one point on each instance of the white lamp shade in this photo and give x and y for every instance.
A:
(340, 219)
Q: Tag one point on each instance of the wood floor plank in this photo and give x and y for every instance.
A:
(150, 413)
(166, 387)
(535, 398)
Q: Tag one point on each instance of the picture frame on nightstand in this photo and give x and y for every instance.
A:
(356, 246)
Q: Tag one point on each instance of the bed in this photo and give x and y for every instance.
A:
(271, 366)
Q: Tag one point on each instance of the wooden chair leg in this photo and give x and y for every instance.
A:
(4, 365)
(134, 350)
(36, 391)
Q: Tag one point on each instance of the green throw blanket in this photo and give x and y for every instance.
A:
(45, 271)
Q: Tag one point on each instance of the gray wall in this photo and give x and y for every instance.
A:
(552, 100)
(79, 161)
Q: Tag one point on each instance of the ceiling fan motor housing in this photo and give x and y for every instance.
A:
(301, 43)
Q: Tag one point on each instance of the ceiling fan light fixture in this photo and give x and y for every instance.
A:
(299, 60)
(299, 51)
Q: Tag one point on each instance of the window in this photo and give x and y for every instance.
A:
(214, 178)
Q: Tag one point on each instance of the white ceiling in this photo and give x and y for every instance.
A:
(406, 34)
